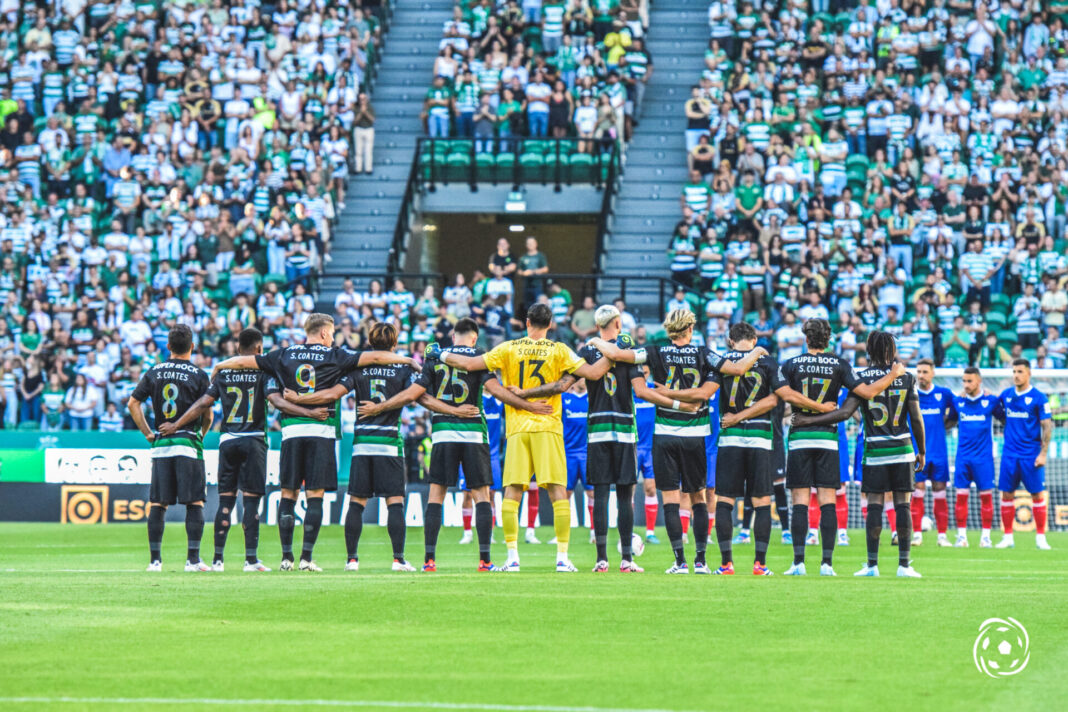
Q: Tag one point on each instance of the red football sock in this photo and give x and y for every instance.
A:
(961, 512)
(650, 513)
(589, 510)
(1008, 514)
(467, 518)
(841, 508)
(918, 507)
(532, 508)
(813, 512)
(711, 524)
(891, 516)
(941, 511)
(1039, 511)
(986, 509)
(684, 515)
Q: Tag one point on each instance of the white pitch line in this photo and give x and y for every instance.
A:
(342, 704)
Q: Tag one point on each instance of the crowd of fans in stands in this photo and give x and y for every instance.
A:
(552, 68)
(899, 165)
(164, 163)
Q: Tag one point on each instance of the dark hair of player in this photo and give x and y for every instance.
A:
(925, 362)
(383, 337)
(467, 325)
(817, 334)
(180, 339)
(1022, 362)
(882, 348)
(742, 331)
(540, 316)
(972, 371)
(248, 340)
(317, 322)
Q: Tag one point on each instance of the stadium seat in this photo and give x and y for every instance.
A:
(581, 167)
(995, 320)
(504, 167)
(532, 166)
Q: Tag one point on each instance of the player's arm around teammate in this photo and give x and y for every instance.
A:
(729, 368)
(367, 358)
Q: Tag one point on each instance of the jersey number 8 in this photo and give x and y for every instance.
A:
(170, 398)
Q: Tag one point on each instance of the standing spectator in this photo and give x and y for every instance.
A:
(531, 266)
(503, 259)
(1028, 312)
(80, 403)
(364, 134)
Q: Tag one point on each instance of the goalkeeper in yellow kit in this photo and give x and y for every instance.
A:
(535, 442)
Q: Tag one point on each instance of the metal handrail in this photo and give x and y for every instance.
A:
(402, 226)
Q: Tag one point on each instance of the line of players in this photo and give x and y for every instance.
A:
(315, 375)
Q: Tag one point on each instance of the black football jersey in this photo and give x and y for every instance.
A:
(173, 387)
(455, 387)
(736, 393)
(611, 401)
(243, 399)
(887, 437)
(820, 377)
(380, 434)
(682, 368)
(307, 368)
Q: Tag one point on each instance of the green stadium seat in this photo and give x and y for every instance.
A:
(581, 168)
(486, 163)
(457, 167)
(532, 167)
(1030, 354)
(550, 166)
(503, 167)
(29, 426)
(995, 320)
(1008, 335)
(1001, 302)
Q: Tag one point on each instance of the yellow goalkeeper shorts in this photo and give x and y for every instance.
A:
(535, 454)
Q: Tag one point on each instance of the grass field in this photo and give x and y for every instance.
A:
(83, 627)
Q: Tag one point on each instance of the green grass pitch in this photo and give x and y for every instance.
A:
(84, 627)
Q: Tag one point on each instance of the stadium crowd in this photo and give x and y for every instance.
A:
(539, 69)
(888, 165)
(165, 163)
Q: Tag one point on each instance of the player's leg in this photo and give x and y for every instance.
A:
(192, 491)
(645, 467)
(353, 530)
(360, 490)
(666, 470)
(432, 522)
(730, 485)
(231, 459)
(694, 482)
(941, 509)
(223, 513)
(320, 477)
(828, 528)
(875, 486)
(744, 535)
(444, 472)
(1008, 481)
(467, 510)
(799, 480)
(396, 528)
(601, 456)
(812, 538)
(518, 469)
(533, 500)
(484, 525)
(758, 486)
(918, 505)
(782, 509)
(550, 464)
(904, 523)
(476, 463)
(162, 493)
(1034, 480)
(625, 526)
(841, 508)
(290, 479)
(252, 482)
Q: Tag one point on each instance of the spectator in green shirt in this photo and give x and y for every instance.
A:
(531, 266)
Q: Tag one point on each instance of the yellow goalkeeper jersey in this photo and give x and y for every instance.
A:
(526, 363)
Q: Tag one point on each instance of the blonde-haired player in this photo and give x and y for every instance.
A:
(535, 442)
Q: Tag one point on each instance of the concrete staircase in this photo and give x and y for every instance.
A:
(365, 228)
(647, 206)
